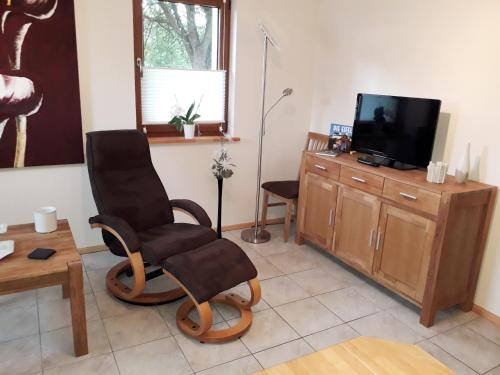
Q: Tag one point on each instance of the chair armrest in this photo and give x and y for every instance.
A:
(192, 209)
(120, 229)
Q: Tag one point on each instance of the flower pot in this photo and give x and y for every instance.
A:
(189, 131)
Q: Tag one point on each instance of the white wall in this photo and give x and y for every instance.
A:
(447, 49)
(106, 63)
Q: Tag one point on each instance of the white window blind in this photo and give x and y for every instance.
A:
(165, 90)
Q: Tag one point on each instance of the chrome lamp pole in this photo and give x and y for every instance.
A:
(257, 234)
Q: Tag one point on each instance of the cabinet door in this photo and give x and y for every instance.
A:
(356, 226)
(318, 197)
(404, 251)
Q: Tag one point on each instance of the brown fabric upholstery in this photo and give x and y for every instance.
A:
(211, 269)
(124, 182)
(161, 242)
(131, 200)
(122, 228)
(285, 189)
(194, 209)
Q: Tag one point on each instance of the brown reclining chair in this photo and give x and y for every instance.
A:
(137, 221)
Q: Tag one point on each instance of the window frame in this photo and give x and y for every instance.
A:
(164, 130)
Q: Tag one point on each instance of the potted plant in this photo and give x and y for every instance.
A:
(186, 122)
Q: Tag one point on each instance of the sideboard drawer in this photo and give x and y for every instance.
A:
(411, 196)
(322, 167)
(362, 180)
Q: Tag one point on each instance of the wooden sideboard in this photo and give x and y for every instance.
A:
(423, 241)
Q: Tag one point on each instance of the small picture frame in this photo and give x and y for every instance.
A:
(340, 138)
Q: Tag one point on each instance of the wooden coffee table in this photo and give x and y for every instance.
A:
(364, 356)
(18, 273)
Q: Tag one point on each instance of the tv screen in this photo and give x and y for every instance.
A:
(397, 128)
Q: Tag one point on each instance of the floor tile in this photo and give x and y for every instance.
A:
(110, 306)
(102, 365)
(243, 366)
(486, 329)
(294, 261)
(495, 371)
(471, 348)
(54, 293)
(283, 353)
(57, 345)
(57, 314)
(281, 290)
(265, 269)
(348, 304)
(331, 336)
(155, 358)
(15, 300)
(18, 322)
(380, 296)
(454, 317)
(168, 312)
(100, 260)
(21, 356)
(135, 328)
(229, 313)
(268, 329)
(97, 279)
(410, 315)
(308, 316)
(203, 356)
(275, 246)
(317, 281)
(343, 273)
(385, 326)
(446, 359)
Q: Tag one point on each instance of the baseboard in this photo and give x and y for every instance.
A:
(488, 315)
(225, 228)
(92, 249)
(228, 228)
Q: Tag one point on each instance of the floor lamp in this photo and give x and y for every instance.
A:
(257, 234)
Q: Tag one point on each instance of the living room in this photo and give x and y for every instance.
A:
(328, 52)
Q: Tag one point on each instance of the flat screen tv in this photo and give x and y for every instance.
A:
(396, 131)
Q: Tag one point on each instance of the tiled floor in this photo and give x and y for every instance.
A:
(309, 302)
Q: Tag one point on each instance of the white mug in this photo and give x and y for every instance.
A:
(45, 219)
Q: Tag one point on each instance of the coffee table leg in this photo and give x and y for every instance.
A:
(77, 301)
(65, 290)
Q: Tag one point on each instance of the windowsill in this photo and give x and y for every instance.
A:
(158, 140)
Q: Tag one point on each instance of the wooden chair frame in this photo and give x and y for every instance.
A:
(314, 142)
(201, 331)
(136, 294)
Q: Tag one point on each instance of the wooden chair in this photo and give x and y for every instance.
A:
(287, 192)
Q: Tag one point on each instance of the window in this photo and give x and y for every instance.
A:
(182, 56)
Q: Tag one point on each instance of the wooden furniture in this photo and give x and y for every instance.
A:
(18, 273)
(423, 241)
(363, 356)
(137, 222)
(287, 192)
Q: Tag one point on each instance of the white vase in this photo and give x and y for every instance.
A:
(189, 131)
(462, 171)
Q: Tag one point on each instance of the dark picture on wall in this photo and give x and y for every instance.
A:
(40, 115)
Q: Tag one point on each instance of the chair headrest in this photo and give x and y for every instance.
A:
(117, 149)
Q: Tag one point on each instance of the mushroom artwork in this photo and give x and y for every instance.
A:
(20, 94)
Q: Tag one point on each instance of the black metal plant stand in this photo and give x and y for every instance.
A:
(220, 180)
